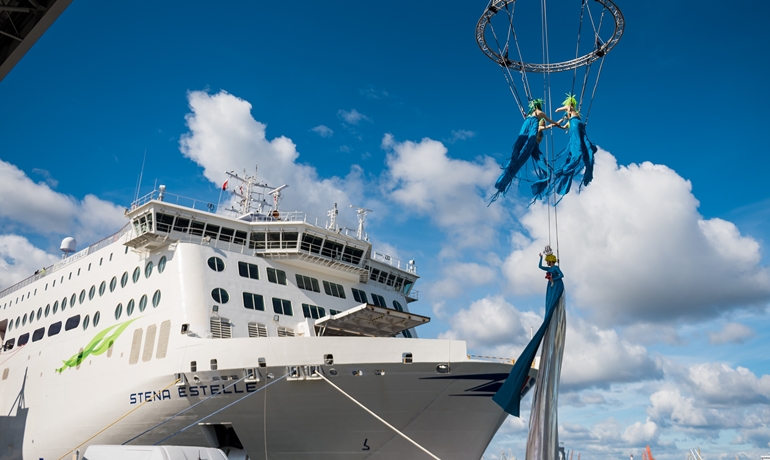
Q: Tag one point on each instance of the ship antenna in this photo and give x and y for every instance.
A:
(141, 173)
(333, 219)
(361, 213)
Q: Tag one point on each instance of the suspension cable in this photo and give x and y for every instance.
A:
(577, 47)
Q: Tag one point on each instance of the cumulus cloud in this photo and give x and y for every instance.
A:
(323, 131)
(35, 207)
(223, 135)
(731, 333)
(640, 434)
(633, 247)
(19, 259)
(718, 383)
(352, 117)
(423, 178)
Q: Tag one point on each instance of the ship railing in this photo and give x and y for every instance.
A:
(492, 359)
(393, 262)
(45, 271)
(187, 202)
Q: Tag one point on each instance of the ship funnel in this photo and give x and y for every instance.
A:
(68, 246)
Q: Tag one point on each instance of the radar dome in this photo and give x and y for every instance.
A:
(68, 245)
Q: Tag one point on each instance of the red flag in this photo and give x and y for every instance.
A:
(224, 186)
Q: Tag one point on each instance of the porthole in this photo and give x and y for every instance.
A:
(118, 311)
(97, 316)
(124, 279)
(91, 292)
(74, 298)
(63, 304)
(148, 269)
(143, 303)
(86, 320)
(31, 316)
(82, 296)
(102, 287)
(24, 320)
(216, 264)
(39, 312)
(55, 307)
(220, 295)
(162, 264)
(137, 273)
(156, 299)
(47, 310)
(17, 322)
(113, 283)
(10, 326)
(130, 307)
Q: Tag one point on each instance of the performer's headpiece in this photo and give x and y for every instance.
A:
(570, 101)
(549, 255)
(535, 104)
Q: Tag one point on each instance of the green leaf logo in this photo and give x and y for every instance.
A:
(98, 345)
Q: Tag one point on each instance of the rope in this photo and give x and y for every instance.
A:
(379, 418)
(116, 421)
(507, 72)
(185, 410)
(593, 93)
(10, 355)
(218, 411)
(577, 47)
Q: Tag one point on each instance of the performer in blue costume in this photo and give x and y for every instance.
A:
(580, 151)
(509, 395)
(526, 147)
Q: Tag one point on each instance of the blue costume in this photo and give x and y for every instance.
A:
(509, 395)
(525, 147)
(580, 154)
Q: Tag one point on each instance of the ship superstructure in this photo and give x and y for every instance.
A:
(224, 325)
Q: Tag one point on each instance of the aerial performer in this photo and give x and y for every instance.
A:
(525, 148)
(543, 438)
(579, 151)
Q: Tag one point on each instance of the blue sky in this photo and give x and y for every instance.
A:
(668, 286)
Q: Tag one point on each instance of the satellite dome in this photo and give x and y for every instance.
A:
(68, 245)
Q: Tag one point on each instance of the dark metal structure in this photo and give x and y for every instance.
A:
(22, 22)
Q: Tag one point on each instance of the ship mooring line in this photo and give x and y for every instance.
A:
(379, 418)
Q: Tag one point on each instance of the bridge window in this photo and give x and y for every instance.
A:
(332, 249)
(54, 328)
(253, 301)
(220, 295)
(276, 276)
(38, 334)
(334, 289)
(72, 323)
(311, 243)
(216, 264)
(165, 222)
(379, 300)
(282, 306)
(359, 295)
(307, 283)
(181, 224)
(226, 234)
(352, 255)
(211, 231)
(312, 311)
(162, 264)
(247, 270)
(196, 228)
(240, 237)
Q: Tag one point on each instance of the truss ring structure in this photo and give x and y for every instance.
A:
(599, 52)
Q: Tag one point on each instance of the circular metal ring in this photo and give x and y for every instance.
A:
(496, 5)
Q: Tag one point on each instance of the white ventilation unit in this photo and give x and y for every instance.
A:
(221, 328)
(285, 331)
(257, 330)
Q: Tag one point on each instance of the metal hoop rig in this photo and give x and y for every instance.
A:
(496, 6)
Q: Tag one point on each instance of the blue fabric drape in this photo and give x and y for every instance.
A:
(509, 395)
(580, 159)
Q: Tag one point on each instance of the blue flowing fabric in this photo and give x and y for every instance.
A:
(509, 395)
(580, 159)
(526, 147)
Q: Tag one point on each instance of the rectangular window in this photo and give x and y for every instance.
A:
(313, 311)
(276, 276)
(352, 255)
(311, 243)
(247, 270)
(165, 222)
(289, 240)
(72, 323)
(253, 301)
(334, 289)
(378, 300)
(54, 328)
(226, 234)
(38, 334)
(307, 283)
(359, 295)
(257, 240)
(240, 237)
(23, 339)
(332, 249)
(334, 312)
(181, 224)
(211, 231)
(374, 274)
(196, 228)
(282, 306)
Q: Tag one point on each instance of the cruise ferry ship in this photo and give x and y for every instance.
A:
(265, 333)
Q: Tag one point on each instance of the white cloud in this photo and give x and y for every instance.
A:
(451, 192)
(458, 277)
(323, 131)
(223, 135)
(352, 117)
(19, 259)
(640, 434)
(731, 333)
(633, 247)
(717, 383)
(460, 135)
